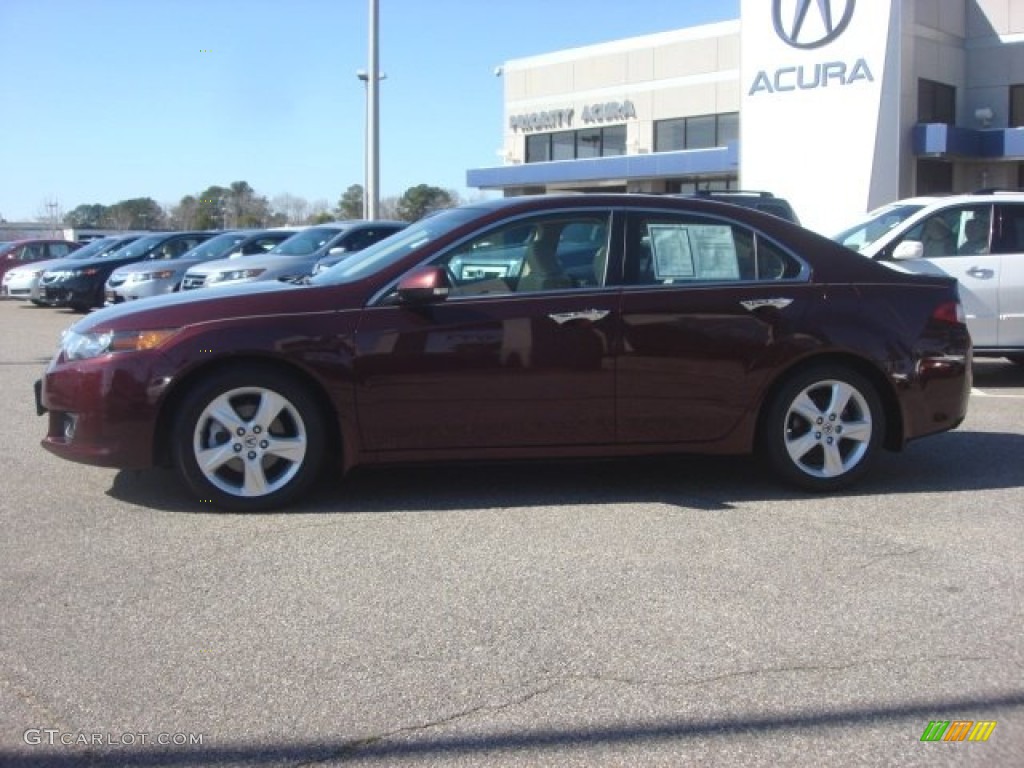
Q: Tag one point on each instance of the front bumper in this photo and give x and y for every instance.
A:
(102, 411)
(69, 293)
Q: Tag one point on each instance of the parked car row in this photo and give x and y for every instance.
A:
(20, 252)
(130, 267)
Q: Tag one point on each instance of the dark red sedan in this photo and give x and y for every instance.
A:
(549, 326)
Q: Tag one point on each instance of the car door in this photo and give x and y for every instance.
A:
(1008, 242)
(519, 355)
(949, 249)
(703, 304)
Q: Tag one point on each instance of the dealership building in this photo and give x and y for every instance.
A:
(837, 105)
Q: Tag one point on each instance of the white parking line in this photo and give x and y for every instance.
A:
(983, 393)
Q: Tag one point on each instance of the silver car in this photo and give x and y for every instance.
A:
(154, 278)
(295, 257)
(23, 282)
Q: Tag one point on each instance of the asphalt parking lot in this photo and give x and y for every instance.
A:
(665, 612)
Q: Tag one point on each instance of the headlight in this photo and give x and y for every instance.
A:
(141, 277)
(82, 346)
(85, 271)
(235, 274)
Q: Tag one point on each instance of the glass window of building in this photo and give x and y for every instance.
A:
(700, 132)
(563, 145)
(613, 140)
(728, 128)
(588, 143)
(936, 102)
(538, 148)
(1016, 106)
(669, 135)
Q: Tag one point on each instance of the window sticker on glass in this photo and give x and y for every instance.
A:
(673, 256)
(694, 252)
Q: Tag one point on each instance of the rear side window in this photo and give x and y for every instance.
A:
(1009, 237)
(668, 249)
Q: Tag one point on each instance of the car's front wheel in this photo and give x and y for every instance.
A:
(823, 428)
(249, 439)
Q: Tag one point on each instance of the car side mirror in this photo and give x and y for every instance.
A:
(424, 286)
(908, 249)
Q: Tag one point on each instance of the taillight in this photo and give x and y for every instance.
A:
(950, 312)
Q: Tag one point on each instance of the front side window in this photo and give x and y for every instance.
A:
(668, 249)
(861, 236)
(305, 242)
(958, 231)
(545, 253)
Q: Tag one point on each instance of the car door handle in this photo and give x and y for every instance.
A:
(591, 315)
(754, 304)
(981, 272)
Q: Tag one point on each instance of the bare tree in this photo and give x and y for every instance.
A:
(295, 208)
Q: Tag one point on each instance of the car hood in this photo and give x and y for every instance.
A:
(154, 265)
(187, 308)
(265, 261)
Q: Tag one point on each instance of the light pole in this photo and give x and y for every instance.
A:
(371, 195)
(371, 153)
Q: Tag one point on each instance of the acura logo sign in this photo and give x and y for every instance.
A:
(811, 28)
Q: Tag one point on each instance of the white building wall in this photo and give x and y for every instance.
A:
(681, 73)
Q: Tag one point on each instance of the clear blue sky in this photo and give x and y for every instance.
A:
(105, 100)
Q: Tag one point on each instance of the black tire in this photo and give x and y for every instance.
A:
(253, 461)
(823, 429)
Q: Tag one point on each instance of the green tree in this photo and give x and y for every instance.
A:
(185, 215)
(422, 199)
(351, 205)
(86, 216)
(244, 208)
(137, 213)
(212, 210)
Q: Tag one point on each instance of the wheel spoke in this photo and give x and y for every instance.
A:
(221, 411)
(834, 465)
(291, 449)
(801, 446)
(212, 459)
(255, 483)
(805, 408)
(857, 431)
(841, 395)
(271, 405)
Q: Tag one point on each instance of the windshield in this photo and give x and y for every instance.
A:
(383, 254)
(862, 235)
(304, 242)
(93, 248)
(139, 247)
(215, 247)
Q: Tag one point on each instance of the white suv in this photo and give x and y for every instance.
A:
(977, 238)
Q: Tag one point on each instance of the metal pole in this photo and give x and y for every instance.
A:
(371, 192)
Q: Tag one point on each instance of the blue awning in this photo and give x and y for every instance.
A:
(940, 140)
(657, 165)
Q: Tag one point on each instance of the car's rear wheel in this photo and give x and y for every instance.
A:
(249, 439)
(823, 428)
